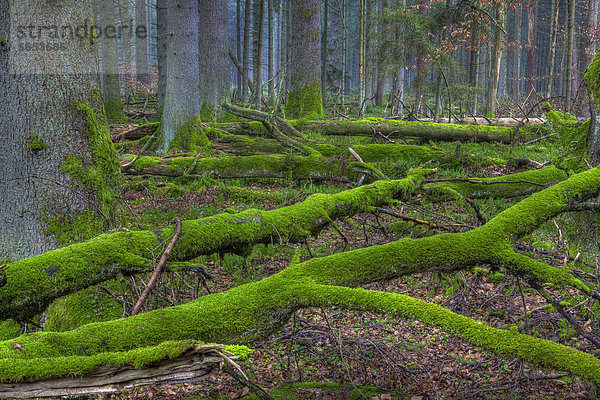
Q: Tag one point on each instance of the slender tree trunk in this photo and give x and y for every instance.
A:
(125, 18)
(552, 52)
(305, 91)
(111, 86)
(344, 52)
(271, 51)
(516, 83)
(239, 40)
(246, 61)
(381, 74)
(213, 39)
(142, 60)
(362, 54)
(258, 20)
(474, 65)
(161, 44)
(570, 46)
(182, 103)
(530, 50)
(58, 166)
(496, 58)
(324, 38)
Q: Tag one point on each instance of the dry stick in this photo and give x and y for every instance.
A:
(159, 268)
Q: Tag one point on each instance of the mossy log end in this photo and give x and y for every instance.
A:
(255, 310)
(108, 373)
(387, 127)
(32, 283)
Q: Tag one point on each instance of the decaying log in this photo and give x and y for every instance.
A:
(389, 128)
(193, 364)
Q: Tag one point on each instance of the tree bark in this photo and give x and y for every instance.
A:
(570, 49)
(258, 19)
(530, 50)
(516, 83)
(57, 163)
(182, 103)
(496, 58)
(213, 39)
(552, 55)
(142, 59)
(246, 60)
(111, 85)
(161, 43)
(304, 96)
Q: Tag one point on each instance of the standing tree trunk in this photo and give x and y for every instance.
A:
(111, 86)
(362, 54)
(238, 42)
(161, 44)
(343, 18)
(324, 38)
(552, 55)
(182, 103)
(530, 50)
(474, 64)
(271, 51)
(142, 62)
(258, 19)
(58, 166)
(305, 91)
(213, 42)
(570, 46)
(246, 62)
(125, 20)
(496, 58)
(516, 83)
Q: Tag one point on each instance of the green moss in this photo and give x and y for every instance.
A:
(306, 101)
(79, 365)
(102, 173)
(145, 162)
(3, 42)
(36, 143)
(572, 137)
(190, 137)
(114, 112)
(81, 308)
(9, 329)
(592, 82)
(69, 229)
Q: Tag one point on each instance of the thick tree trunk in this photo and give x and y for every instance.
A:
(305, 92)
(126, 40)
(111, 86)
(213, 39)
(271, 51)
(57, 164)
(142, 59)
(238, 43)
(182, 103)
(258, 19)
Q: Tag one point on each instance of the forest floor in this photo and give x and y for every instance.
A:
(335, 354)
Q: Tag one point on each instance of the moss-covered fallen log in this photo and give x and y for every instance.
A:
(507, 186)
(252, 311)
(107, 373)
(281, 166)
(388, 127)
(34, 282)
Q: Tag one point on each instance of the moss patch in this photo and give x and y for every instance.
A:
(191, 136)
(306, 101)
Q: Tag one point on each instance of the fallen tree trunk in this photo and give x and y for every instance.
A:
(32, 283)
(389, 128)
(117, 372)
(256, 310)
